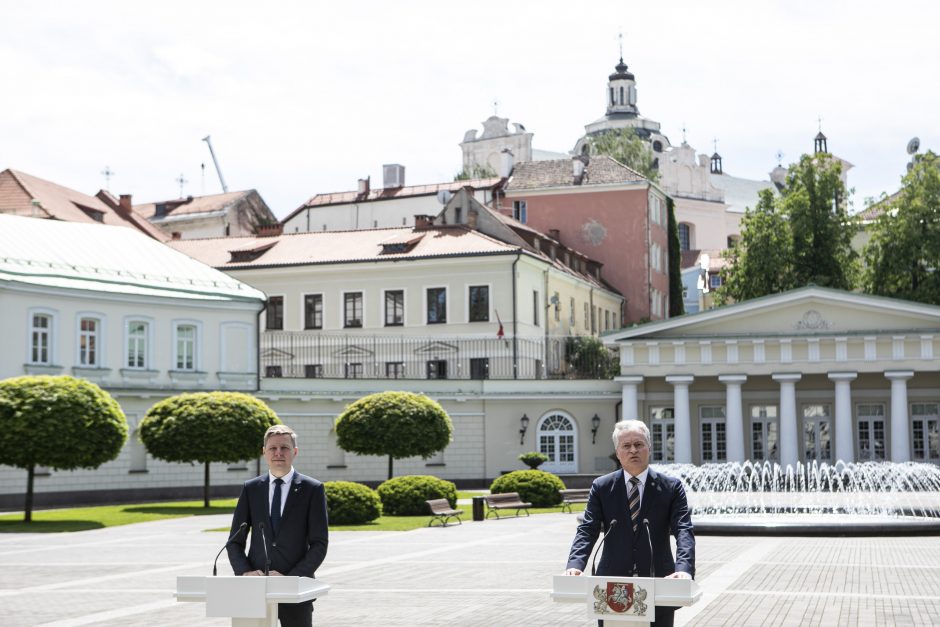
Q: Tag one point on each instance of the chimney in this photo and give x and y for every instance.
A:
(423, 221)
(555, 234)
(176, 235)
(364, 187)
(507, 160)
(269, 230)
(125, 206)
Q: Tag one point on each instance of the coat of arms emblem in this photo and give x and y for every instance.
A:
(619, 598)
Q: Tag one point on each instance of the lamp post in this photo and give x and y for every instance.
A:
(524, 422)
(595, 425)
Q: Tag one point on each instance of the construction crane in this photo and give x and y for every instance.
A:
(208, 140)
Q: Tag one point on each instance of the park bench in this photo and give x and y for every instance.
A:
(442, 512)
(507, 500)
(579, 495)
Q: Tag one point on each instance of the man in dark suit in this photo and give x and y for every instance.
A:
(630, 496)
(288, 510)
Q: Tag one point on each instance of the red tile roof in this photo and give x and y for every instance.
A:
(193, 204)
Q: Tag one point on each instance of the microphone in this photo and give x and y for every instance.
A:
(649, 538)
(613, 523)
(225, 546)
(264, 543)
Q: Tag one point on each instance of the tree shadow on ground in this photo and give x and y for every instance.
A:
(48, 526)
(179, 510)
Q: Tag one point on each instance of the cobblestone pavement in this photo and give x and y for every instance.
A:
(490, 573)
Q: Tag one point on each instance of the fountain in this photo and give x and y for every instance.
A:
(764, 498)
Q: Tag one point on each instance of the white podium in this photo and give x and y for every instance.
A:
(248, 601)
(624, 599)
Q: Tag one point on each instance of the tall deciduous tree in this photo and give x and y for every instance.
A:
(802, 237)
(625, 146)
(396, 424)
(903, 256)
(59, 422)
(207, 427)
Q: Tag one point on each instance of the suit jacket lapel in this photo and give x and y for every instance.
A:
(651, 489)
(293, 493)
(263, 488)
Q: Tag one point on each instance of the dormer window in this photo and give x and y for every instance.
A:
(250, 252)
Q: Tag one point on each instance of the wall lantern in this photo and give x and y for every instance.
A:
(524, 421)
(595, 425)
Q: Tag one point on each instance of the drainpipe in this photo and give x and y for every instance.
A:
(545, 309)
(515, 346)
(264, 308)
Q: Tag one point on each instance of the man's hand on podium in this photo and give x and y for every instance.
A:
(573, 572)
(260, 573)
(679, 574)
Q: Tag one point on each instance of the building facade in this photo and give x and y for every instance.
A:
(231, 214)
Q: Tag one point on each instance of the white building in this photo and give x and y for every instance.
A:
(810, 375)
(217, 215)
(114, 306)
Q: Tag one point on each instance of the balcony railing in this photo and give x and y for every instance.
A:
(304, 354)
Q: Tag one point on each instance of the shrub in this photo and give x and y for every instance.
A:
(532, 459)
(349, 503)
(535, 486)
(406, 496)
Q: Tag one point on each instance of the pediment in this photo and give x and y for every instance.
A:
(803, 312)
(353, 352)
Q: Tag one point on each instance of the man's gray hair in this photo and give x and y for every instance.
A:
(631, 426)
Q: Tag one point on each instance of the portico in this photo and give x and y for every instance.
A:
(808, 375)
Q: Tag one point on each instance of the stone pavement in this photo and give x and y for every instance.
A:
(489, 573)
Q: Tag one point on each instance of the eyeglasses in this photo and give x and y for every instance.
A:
(633, 446)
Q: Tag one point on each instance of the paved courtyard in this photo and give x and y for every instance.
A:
(490, 573)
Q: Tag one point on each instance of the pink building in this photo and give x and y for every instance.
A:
(607, 211)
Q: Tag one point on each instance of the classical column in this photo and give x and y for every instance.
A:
(845, 444)
(789, 434)
(630, 409)
(680, 406)
(900, 429)
(734, 415)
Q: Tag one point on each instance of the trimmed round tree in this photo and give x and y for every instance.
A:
(207, 427)
(396, 424)
(58, 422)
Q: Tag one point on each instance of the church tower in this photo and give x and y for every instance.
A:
(621, 91)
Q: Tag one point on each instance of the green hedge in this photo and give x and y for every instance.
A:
(406, 496)
(349, 503)
(534, 486)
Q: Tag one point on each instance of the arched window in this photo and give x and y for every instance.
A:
(557, 438)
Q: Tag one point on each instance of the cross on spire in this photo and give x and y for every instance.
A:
(683, 132)
(715, 142)
(819, 119)
(779, 157)
(182, 181)
(620, 37)
(107, 173)
(495, 107)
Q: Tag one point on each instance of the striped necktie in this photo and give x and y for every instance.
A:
(634, 498)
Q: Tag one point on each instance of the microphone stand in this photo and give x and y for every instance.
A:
(649, 538)
(613, 523)
(215, 564)
(267, 558)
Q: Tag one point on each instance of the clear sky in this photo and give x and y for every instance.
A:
(302, 98)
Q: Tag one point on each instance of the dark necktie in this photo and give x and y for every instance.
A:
(633, 496)
(276, 505)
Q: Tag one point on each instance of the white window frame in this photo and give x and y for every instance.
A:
(404, 306)
(52, 333)
(283, 298)
(713, 421)
(818, 451)
(99, 337)
(870, 418)
(768, 455)
(659, 434)
(554, 465)
(929, 455)
(197, 345)
(303, 311)
(148, 342)
(342, 308)
(489, 303)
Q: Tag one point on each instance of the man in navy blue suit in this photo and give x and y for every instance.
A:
(287, 510)
(631, 496)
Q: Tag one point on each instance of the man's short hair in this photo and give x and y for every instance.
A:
(280, 430)
(631, 426)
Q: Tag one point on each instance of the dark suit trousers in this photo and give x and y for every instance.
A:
(297, 614)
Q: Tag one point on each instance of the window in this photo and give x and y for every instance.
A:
(714, 280)
(925, 424)
(353, 371)
(870, 432)
(479, 307)
(519, 210)
(394, 370)
(313, 371)
(273, 372)
(479, 368)
(88, 341)
(764, 427)
(817, 430)
(571, 317)
(587, 316)
(685, 237)
(40, 336)
(437, 305)
(714, 437)
(313, 311)
(663, 432)
(185, 347)
(352, 310)
(535, 307)
(274, 320)
(137, 331)
(394, 308)
(556, 439)
(437, 369)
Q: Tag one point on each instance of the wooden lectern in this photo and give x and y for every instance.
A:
(624, 599)
(248, 601)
